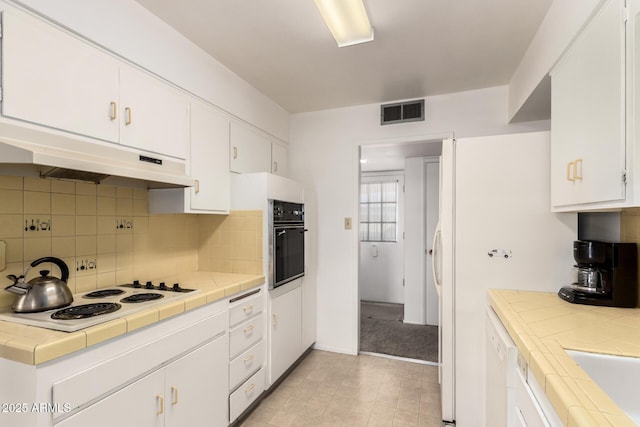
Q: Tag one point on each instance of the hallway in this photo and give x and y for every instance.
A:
(331, 389)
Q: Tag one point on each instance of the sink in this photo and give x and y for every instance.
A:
(617, 376)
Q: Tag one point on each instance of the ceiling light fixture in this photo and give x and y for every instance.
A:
(347, 20)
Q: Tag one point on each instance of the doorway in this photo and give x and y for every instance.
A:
(398, 201)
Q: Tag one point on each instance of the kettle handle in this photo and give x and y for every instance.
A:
(64, 270)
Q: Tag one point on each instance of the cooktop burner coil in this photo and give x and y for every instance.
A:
(104, 293)
(147, 296)
(86, 310)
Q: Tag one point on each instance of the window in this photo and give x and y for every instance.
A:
(379, 211)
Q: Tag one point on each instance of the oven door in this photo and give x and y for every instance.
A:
(288, 254)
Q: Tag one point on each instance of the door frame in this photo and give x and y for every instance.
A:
(355, 242)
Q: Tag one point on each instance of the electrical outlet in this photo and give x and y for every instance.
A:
(347, 223)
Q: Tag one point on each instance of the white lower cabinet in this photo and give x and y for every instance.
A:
(285, 345)
(246, 351)
(187, 392)
(246, 394)
(137, 404)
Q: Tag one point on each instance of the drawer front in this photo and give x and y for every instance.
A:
(248, 392)
(245, 309)
(245, 335)
(243, 366)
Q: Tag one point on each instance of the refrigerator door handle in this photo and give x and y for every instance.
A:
(435, 259)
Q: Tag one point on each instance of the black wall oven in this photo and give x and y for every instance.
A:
(286, 242)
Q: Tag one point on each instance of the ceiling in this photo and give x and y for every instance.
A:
(421, 47)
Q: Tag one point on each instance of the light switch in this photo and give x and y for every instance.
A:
(347, 223)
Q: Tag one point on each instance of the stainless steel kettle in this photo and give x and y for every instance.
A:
(41, 293)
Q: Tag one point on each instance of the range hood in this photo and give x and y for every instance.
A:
(57, 156)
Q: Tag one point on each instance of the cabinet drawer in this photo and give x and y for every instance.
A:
(248, 392)
(246, 364)
(245, 335)
(245, 309)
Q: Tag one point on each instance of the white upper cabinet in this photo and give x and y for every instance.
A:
(154, 116)
(209, 166)
(209, 159)
(279, 160)
(248, 151)
(52, 78)
(588, 145)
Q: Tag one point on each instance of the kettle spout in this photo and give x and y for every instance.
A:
(18, 287)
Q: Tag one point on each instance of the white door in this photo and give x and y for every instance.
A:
(286, 331)
(248, 151)
(381, 270)
(197, 387)
(52, 78)
(209, 159)
(141, 404)
(154, 116)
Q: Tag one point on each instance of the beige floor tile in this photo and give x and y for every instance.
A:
(330, 389)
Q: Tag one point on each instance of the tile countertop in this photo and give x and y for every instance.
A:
(33, 345)
(543, 326)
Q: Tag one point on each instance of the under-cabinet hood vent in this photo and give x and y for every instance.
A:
(402, 112)
(56, 156)
(76, 175)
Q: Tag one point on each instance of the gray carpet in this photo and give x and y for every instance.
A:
(382, 331)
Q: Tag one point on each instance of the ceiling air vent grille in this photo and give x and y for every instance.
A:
(402, 112)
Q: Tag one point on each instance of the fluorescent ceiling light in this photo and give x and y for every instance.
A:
(347, 20)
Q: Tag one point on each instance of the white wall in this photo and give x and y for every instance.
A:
(128, 29)
(324, 155)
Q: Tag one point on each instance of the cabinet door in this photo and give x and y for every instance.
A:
(249, 152)
(153, 115)
(52, 78)
(588, 114)
(286, 332)
(140, 404)
(279, 160)
(209, 159)
(197, 388)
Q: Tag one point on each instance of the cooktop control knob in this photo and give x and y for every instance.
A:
(176, 287)
(162, 286)
(136, 284)
(149, 285)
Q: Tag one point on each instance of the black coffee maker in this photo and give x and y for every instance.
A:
(605, 274)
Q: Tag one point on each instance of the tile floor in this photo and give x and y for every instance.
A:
(331, 389)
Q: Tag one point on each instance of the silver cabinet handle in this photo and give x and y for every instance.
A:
(248, 308)
(127, 116)
(248, 329)
(247, 360)
(235, 152)
(250, 389)
(197, 186)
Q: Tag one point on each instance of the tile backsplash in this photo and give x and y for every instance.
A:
(106, 236)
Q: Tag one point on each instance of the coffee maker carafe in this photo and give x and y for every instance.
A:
(605, 274)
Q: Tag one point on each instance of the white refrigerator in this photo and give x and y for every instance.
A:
(494, 200)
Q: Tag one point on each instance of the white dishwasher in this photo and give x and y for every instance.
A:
(502, 365)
